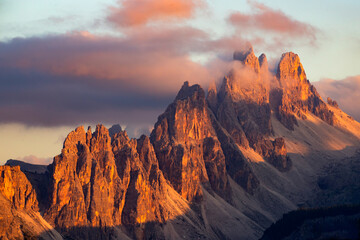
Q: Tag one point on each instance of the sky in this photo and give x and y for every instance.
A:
(70, 63)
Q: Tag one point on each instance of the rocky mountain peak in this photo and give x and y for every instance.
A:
(212, 96)
(248, 58)
(212, 87)
(241, 55)
(263, 62)
(116, 128)
(15, 187)
(291, 73)
(78, 136)
(179, 137)
(295, 96)
(100, 139)
(194, 92)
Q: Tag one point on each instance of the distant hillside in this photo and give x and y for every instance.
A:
(27, 167)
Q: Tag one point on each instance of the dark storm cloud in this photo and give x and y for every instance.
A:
(79, 77)
(35, 98)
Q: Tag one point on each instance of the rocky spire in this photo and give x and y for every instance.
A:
(248, 58)
(116, 128)
(212, 96)
(263, 62)
(296, 96)
(180, 137)
(291, 75)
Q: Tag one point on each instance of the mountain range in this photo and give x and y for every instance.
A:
(221, 164)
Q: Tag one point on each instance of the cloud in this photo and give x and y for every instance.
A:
(79, 78)
(140, 12)
(265, 19)
(346, 92)
(152, 61)
(37, 98)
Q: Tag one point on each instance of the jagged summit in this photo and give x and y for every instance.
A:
(288, 93)
(212, 96)
(241, 55)
(180, 137)
(248, 58)
(296, 97)
(187, 91)
(116, 128)
(291, 74)
(263, 61)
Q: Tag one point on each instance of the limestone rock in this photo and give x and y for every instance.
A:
(85, 182)
(332, 102)
(244, 112)
(180, 137)
(247, 120)
(236, 164)
(101, 182)
(212, 96)
(263, 62)
(23, 223)
(116, 128)
(276, 154)
(291, 75)
(296, 96)
(248, 58)
(19, 218)
(15, 187)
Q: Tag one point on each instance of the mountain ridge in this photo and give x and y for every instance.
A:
(244, 153)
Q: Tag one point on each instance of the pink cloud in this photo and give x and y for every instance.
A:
(140, 12)
(150, 59)
(36, 160)
(269, 20)
(346, 92)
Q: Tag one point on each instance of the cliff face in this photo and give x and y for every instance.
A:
(101, 182)
(244, 111)
(19, 218)
(82, 179)
(296, 96)
(187, 147)
(15, 187)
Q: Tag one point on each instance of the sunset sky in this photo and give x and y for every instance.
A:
(69, 63)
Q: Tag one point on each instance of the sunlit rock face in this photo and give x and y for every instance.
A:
(296, 96)
(84, 181)
(15, 187)
(187, 147)
(100, 182)
(18, 206)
